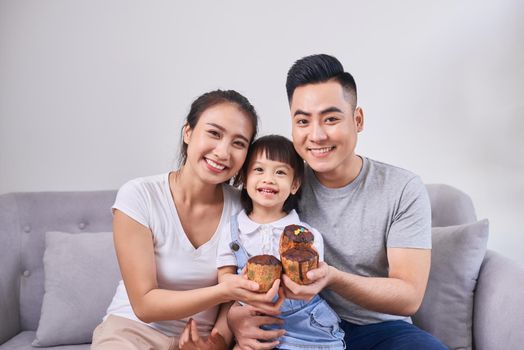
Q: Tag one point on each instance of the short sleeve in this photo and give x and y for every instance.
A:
(132, 200)
(411, 226)
(225, 256)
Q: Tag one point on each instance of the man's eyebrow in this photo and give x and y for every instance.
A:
(331, 110)
(324, 111)
(301, 112)
(221, 128)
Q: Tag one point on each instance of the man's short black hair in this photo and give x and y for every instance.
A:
(319, 69)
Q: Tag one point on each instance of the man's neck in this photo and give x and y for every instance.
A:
(343, 175)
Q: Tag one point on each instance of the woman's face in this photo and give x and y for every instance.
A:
(217, 145)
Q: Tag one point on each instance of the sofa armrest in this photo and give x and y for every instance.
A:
(9, 269)
(499, 304)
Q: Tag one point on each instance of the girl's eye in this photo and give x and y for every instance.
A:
(281, 172)
(258, 169)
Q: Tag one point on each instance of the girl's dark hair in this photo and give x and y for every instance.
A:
(319, 69)
(277, 148)
(211, 99)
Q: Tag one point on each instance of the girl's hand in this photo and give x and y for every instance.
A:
(191, 340)
(239, 288)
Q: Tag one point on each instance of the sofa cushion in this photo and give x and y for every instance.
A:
(22, 341)
(447, 308)
(81, 275)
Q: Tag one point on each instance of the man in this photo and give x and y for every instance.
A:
(375, 219)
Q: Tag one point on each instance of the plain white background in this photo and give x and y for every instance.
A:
(93, 93)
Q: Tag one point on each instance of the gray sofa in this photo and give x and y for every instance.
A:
(488, 315)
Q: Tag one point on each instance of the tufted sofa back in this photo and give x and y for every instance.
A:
(24, 219)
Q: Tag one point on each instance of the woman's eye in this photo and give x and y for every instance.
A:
(240, 144)
(213, 133)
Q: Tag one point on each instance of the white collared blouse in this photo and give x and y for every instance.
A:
(262, 238)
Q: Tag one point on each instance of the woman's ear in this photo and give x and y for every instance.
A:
(186, 133)
(295, 186)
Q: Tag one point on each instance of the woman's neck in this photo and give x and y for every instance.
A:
(264, 215)
(189, 190)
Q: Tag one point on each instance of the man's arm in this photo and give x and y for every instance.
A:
(245, 322)
(400, 293)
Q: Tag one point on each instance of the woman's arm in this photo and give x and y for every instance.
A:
(136, 257)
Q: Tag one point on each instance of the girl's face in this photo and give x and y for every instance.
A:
(217, 146)
(269, 183)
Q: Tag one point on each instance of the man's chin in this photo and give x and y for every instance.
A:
(319, 166)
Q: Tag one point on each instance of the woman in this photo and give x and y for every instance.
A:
(166, 230)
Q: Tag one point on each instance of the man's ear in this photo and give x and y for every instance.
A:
(359, 119)
(295, 186)
(186, 133)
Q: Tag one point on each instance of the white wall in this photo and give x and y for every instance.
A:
(92, 93)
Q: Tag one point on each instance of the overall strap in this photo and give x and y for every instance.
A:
(238, 250)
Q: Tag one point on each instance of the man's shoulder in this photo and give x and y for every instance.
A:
(388, 173)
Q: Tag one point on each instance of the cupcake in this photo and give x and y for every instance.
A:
(295, 236)
(298, 261)
(264, 269)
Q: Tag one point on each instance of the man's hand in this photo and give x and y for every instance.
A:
(320, 278)
(191, 340)
(245, 322)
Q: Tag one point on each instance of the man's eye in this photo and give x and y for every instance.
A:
(331, 119)
(301, 121)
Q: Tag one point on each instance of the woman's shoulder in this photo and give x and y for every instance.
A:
(146, 184)
(145, 181)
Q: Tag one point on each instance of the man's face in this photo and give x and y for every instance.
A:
(325, 127)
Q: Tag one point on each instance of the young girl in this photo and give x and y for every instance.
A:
(271, 178)
(166, 231)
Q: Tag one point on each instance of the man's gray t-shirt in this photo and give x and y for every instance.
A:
(383, 207)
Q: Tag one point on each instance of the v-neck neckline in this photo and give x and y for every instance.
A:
(185, 240)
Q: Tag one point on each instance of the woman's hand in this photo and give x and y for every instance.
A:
(320, 278)
(245, 322)
(239, 288)
(191, 340)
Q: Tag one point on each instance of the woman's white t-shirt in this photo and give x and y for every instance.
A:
(180, 266)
